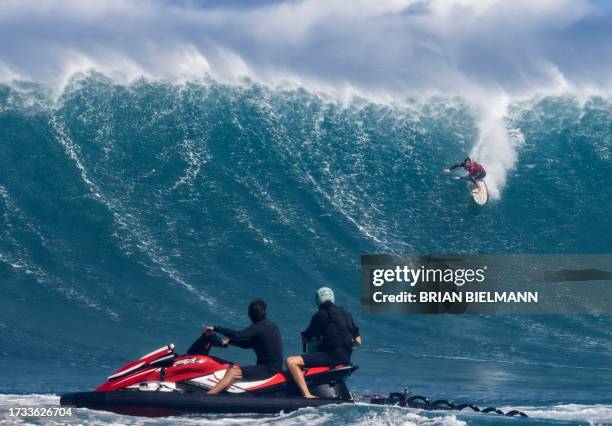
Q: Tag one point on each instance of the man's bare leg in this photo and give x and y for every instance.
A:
(294, 365)
(232, 374)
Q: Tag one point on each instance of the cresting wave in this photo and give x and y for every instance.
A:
(142, 210)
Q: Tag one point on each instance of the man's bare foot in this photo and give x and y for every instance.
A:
(311, 396)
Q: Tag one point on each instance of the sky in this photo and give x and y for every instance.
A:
(391, 46)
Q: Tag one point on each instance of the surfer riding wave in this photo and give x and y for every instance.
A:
(476, 171)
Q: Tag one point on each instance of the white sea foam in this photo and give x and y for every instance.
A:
(497, 145)
(360, 414)
(598, 414)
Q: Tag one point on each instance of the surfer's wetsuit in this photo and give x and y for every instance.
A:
(337, 329)
(264, 338)
(475, 170)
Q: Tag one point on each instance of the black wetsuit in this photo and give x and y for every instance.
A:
(338, 331)
(264, 338)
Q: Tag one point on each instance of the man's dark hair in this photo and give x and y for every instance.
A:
(257, 310)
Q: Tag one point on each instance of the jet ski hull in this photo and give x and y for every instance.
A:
(163, 383)
(159, 403)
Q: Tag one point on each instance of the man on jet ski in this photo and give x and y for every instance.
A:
(475, 170)
(338, 332)
(264, 337)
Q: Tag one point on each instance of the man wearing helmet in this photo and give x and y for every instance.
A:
(338, 333)
(475, 170)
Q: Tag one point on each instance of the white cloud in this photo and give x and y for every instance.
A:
(389, 45)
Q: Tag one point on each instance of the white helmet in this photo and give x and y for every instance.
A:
(324, 294)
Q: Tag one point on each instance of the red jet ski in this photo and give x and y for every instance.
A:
(163, 383)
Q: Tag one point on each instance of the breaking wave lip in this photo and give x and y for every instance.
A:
(396, 45)
(497, 144)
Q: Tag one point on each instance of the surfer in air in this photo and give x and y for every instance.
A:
(476, 171)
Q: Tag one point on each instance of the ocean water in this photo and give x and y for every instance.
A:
(131, 214)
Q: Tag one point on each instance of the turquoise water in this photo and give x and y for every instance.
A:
(130, 215)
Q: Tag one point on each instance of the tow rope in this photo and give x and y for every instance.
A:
(403, 399)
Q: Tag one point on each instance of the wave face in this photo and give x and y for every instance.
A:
(132, 214)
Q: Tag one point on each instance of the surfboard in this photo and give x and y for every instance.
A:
(479, 193)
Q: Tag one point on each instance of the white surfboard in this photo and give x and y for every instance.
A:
(479, 193)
